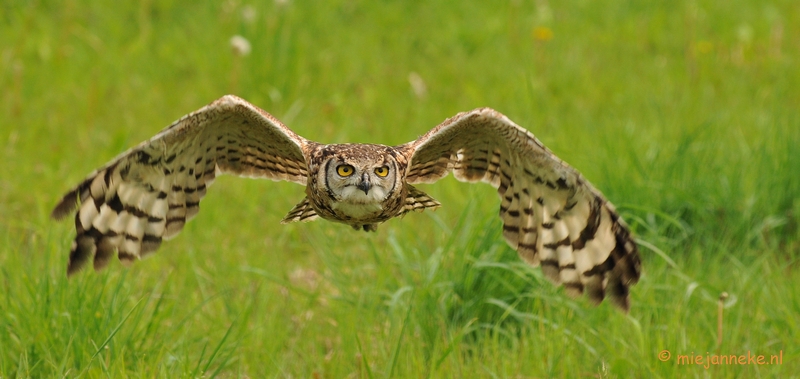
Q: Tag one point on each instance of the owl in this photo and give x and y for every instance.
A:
(552, 216)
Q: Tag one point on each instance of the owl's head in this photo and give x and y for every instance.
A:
(361, 174)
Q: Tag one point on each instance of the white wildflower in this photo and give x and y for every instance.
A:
(248, 14)
(417, 84)
(240, 45)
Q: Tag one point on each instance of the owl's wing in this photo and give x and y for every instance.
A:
(551, 215)
(147, 193)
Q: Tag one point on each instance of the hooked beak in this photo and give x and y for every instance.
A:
(364, 185)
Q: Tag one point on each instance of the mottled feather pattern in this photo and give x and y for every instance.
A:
(148, 193)
(551, 215)
(303, 211)
(418, 201)
(321, 195)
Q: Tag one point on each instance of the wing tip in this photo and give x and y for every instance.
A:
(302, 212)
(64, 207)
(229, 98)
(83, 249)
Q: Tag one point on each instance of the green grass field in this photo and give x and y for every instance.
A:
(685, 114)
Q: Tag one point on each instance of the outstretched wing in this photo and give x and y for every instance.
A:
(147, 193)
(551, 215)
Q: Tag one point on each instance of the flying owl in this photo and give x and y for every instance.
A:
(551, 215)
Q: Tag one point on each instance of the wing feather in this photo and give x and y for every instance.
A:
(149, 192)
(551, 215)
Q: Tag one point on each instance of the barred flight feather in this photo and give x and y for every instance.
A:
(418, 201)
(303, 211)
(551, 215)
(148, 193)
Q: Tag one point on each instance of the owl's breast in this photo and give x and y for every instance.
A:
(353, 206)
(357, 211)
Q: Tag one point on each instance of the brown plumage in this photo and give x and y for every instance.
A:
(551, 215)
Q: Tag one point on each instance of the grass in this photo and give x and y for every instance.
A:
(683, 113)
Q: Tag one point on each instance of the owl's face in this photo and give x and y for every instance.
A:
(361, 180)
(358, 184)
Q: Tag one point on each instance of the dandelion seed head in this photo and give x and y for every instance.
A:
(275, 95)
(417, 85)
(240, 45)
(248, 14)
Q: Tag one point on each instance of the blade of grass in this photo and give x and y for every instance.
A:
(363, 357)
(116, 329)
(217, 349)
(399, 342)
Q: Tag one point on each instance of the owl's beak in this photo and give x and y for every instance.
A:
(364, 185)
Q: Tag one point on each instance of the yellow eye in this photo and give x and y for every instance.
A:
(382, 171)
(345, 170)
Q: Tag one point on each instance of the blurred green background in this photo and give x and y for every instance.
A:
(684, 113)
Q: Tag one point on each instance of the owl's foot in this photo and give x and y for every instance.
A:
(366, 227)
